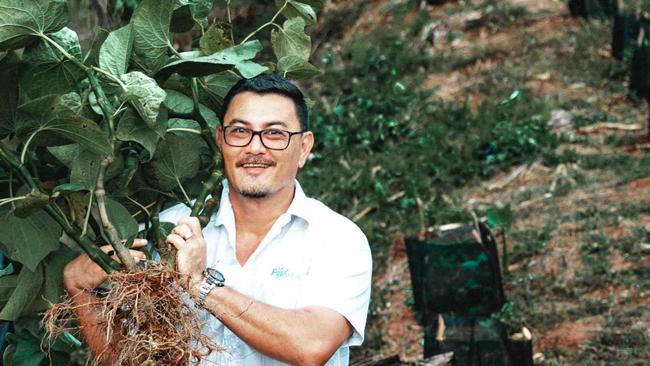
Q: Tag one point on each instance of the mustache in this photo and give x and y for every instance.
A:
(255, 160)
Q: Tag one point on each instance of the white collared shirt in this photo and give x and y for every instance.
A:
(311, 256)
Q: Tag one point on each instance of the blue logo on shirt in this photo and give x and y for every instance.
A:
(278, 272)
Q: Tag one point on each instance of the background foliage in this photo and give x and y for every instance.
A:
(99, 137)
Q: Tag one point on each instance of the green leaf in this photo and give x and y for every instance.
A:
(45, 65)
(182, 123)
(115, 53)
(51, 290)
(131, 127)
(9, 64)
(291, 40)
(25, 346)
(92, 57)
(71, 100)
(215, 87)
(48, 121)
(68, 187)
(181, 103)
(152, 39)
(27, 288)
(85, 168)
(66, 154)
(214, 40)
(144, 95)
(300, 9)
(22, 20)
(126, 226)
(295, 68)
(175, 161)
(18, 237)
(8, 283)
(188, 13)
(501, 217)
(200, 8)
(238, 56)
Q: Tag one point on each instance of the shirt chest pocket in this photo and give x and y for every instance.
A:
(284, 283)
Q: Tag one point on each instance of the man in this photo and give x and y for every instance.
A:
(297, 274)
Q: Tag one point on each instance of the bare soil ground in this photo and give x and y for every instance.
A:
(580, 243)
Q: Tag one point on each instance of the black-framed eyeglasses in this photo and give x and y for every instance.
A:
(272, 138)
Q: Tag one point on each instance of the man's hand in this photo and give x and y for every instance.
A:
(187, 238)
(84, 274)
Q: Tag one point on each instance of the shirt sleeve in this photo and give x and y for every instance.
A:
(339, 278)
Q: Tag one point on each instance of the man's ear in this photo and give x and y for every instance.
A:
(218, 136)
(306, 144)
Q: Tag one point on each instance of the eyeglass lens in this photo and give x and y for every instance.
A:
(272, 138)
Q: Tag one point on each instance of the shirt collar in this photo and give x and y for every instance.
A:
(299, 205)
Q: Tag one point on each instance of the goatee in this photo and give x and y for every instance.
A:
(253, 193)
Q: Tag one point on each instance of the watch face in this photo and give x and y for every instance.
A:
(216, 275)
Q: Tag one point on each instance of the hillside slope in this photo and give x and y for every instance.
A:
(579, 270)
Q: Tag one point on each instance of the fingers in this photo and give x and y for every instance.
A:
(177, 241)
(139, 243)
(193, 224)
(183, 231)
(136, 254)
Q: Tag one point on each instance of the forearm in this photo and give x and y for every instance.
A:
(306, 336)
(91, 323)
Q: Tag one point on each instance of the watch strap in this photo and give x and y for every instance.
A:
(204, 289)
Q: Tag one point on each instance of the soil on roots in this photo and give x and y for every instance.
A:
(149, 320)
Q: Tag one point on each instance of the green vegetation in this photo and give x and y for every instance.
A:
(94, 141)
(384, 141)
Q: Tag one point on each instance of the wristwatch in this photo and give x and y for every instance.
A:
(211, 279)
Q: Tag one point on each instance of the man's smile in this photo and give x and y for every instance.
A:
(255, 164)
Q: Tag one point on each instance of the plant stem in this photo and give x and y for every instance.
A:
(102, 100)
(111, 77)
(104, 105)
(173, 114)
(189, 130)
(232, 37)
(11, 200)
(167, 253)
(14, 163)
(208, 186)
(270, 22)
(90, 207)
(98, 256)
(11, 186)
(141, 207)
(504, 257)
(206, 132)
(174, 51)
(116, 242)
(210, 205)
(187, 198)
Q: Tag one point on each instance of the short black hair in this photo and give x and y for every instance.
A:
(270, 84)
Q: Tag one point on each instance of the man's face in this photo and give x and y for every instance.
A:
(253, 170)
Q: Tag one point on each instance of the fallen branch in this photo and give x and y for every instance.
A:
(610, 126)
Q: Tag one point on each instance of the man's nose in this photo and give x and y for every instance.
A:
(256, 144)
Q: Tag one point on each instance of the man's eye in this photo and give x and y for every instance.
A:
(239, 130)
(273, 132)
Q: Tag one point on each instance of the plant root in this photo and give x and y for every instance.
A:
(149, 319)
